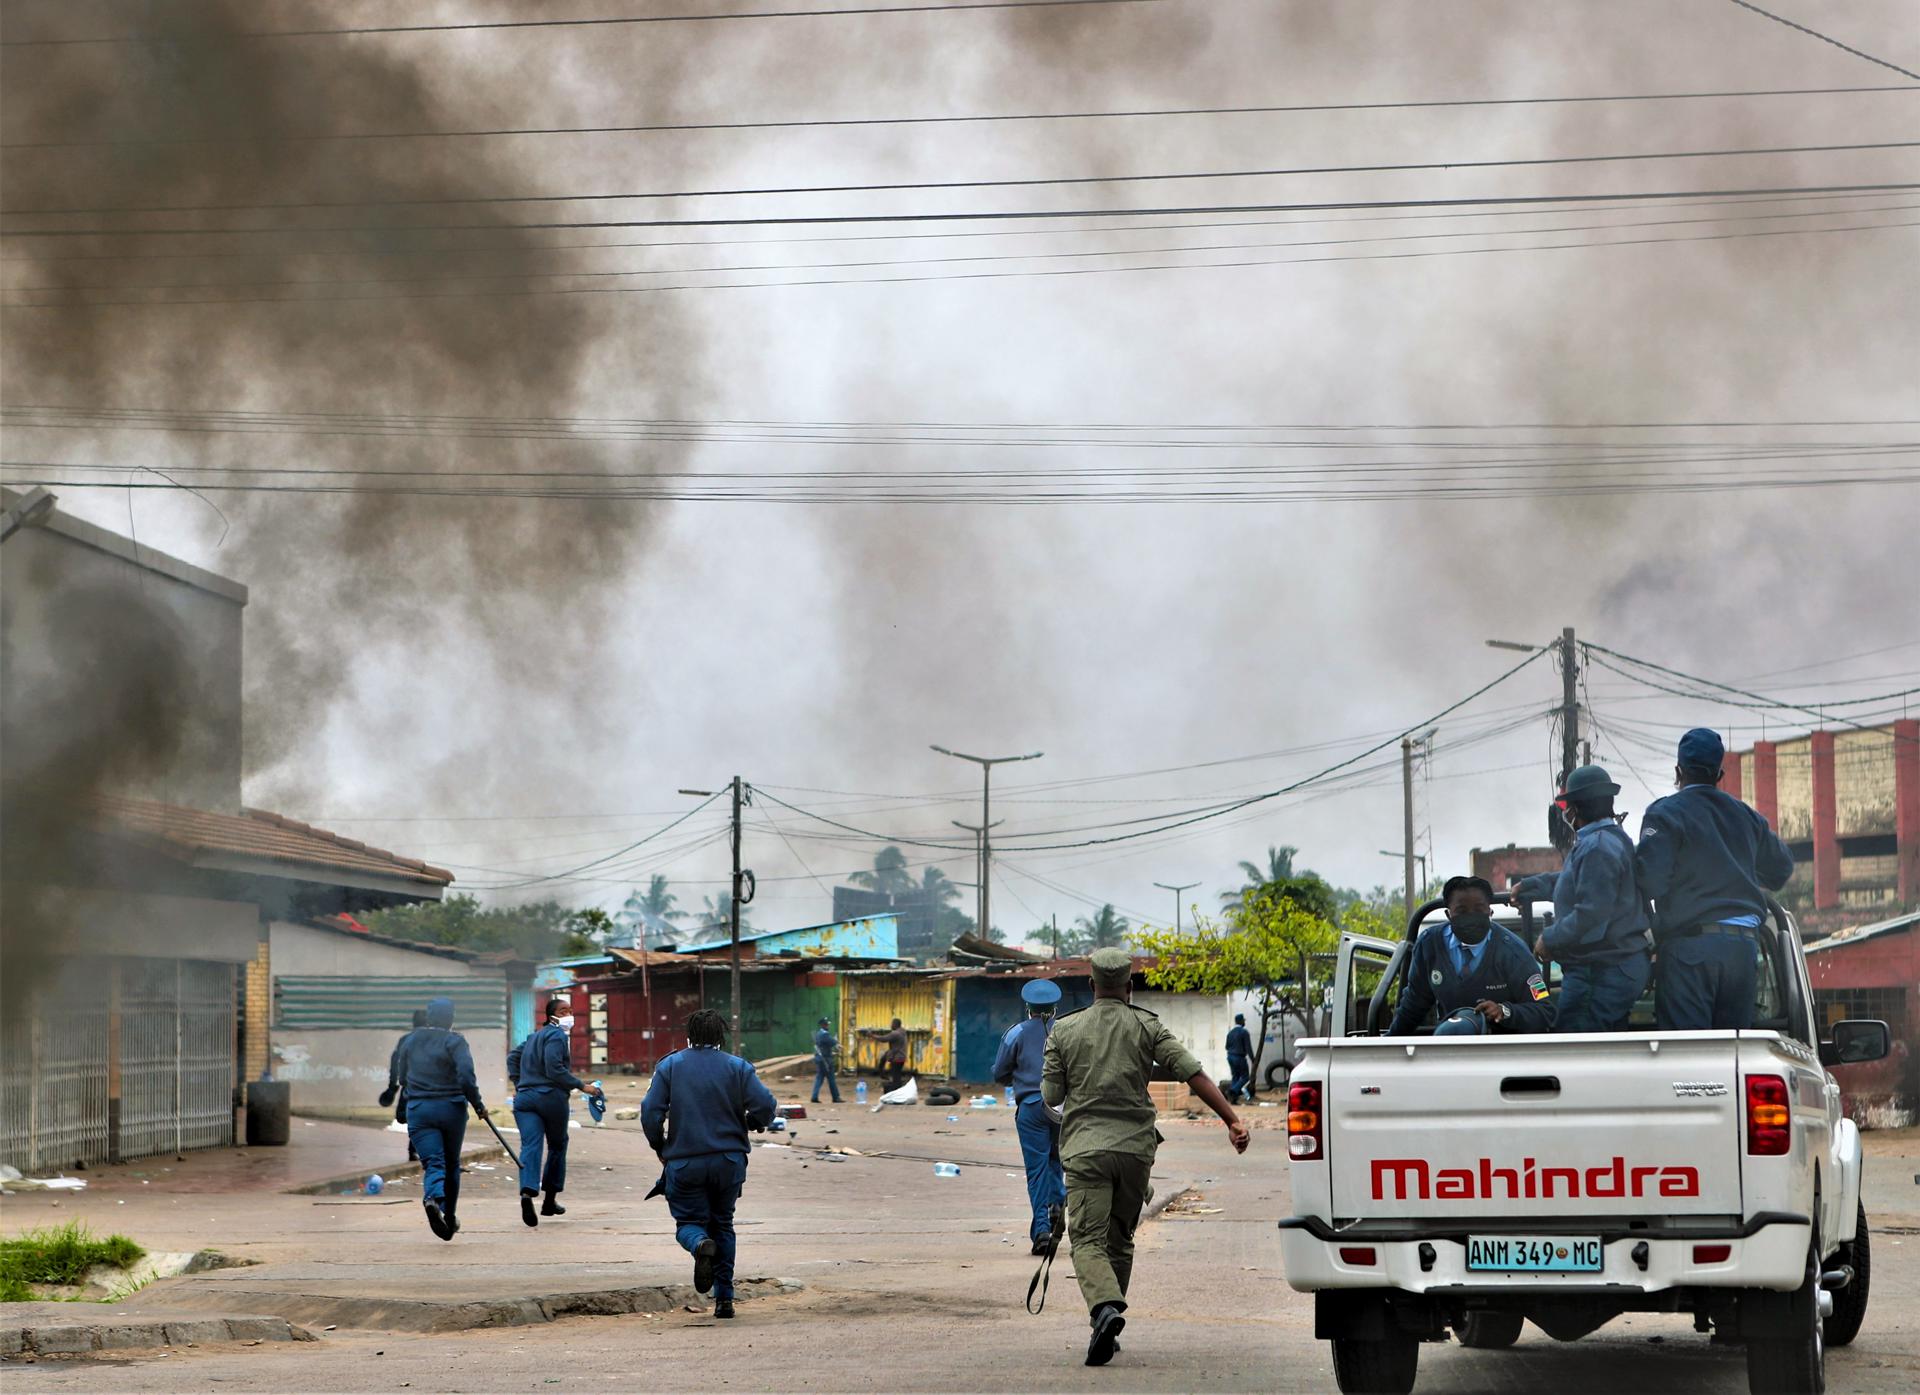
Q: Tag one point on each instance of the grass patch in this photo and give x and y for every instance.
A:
(59, 1255)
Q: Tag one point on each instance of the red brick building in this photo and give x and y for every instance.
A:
(1874, 971)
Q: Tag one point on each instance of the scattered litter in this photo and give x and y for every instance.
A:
(329, 1327)
(478, 1167)
(396, 1127)
(777, 1126)
(628, 1113)
(946, 1170)
(953, 1118)
(376, 1184)
(573, 1123)
(692, 1308)
(17, 1183)
(830, 1131)
(304, 1123)
(1014, 1175)
(906, 1094)
(984, 1102)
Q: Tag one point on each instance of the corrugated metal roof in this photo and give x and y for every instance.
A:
(1840, 939)
(193, 834)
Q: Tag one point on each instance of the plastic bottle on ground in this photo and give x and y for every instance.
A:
(860, 1092)
(946, 1170)
(376, 1184)
(1009, 1097)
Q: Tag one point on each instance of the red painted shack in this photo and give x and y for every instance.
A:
(1873, 971)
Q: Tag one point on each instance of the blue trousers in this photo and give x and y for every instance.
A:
(1706, 980)
(1040, 1146)
(701, 1192)
(1599, 997)
(823, 1074)
(541, 1117)
(1240, 1068)
(436, 1129)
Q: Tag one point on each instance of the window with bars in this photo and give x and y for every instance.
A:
(1887, 1005)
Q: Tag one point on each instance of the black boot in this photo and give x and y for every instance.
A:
(453, 1225)
(552, 1207)
(526, 1209)
(1107, 1322)
(723, 1307)
(436, 1220)
(703, 1265)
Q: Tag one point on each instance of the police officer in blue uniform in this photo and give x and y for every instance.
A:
(825, 1047)
(440, 1088)
(1707, 860)
(1599, 930)
(1477, 977)
(1022, 1052)
(541, 1072)
(1239, 1059)
(397, 1077)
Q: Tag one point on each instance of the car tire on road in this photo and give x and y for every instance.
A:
(1795, 1364)
(1488, 1330)
(1376, 1366)
(1850, 1303)
(1273, 1075)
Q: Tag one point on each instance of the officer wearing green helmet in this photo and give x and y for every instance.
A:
(1599, 931)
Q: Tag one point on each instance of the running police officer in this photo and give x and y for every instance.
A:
(1478, 977)
(395, 1095)
(1022, 1051)
(1599, 930)
(1097, 1065)
(440, 1087)
(1239, 1060)
(825, 1048)
(541, 1073)
(1708, 861)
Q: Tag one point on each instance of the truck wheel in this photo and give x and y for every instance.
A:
(1490, 1329)
(1376, 1366)
(1274, 1074)
(1794, 1364)
(1850, 1303)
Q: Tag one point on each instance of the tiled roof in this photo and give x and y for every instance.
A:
(255, 833)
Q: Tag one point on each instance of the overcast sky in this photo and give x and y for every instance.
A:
(514, 688)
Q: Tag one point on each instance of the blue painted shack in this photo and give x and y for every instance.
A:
(986, 1004)
(874, 937)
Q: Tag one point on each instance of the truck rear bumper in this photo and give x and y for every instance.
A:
(1769, 1251)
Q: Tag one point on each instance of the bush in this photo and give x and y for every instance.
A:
(59, 1255)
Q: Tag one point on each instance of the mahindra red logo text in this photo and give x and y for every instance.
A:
(1413, 1179)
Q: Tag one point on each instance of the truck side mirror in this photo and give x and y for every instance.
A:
(1855, 1041)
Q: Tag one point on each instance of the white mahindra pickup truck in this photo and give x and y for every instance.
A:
(1476, 1183)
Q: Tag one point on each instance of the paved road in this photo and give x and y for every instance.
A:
(913, 1284)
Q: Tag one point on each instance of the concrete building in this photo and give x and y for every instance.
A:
(342, 997)
(139, 891)
(1873, 971)
(1848, 804)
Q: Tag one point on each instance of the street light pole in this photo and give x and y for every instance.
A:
(1176, 890)
(979, 832)
(986, 764)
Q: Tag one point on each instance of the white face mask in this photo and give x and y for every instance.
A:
(565, 1024)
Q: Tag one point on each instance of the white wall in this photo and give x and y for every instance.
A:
(301, 949)
(1199, 1020)
(158, 927)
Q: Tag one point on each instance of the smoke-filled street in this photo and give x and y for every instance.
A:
(684, 683)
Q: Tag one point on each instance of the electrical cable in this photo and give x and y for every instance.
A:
(1827, 39)
(600, 861)
(994, 214)
(1595, 650)
(932, 186)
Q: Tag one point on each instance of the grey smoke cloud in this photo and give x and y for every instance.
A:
(474, 656)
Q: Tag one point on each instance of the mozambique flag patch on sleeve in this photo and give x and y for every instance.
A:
(1537, 985)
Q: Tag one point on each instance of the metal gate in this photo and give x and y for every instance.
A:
(176, 1055)
(55, 1072)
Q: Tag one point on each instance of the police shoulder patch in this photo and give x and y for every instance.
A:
(1537, 986)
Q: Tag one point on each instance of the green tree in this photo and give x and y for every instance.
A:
(1104, 929)
(532, 931)
(889, 874)
(586, 930)
(1279, 867)
(720, 911)
(1267, 944)
(657, 901)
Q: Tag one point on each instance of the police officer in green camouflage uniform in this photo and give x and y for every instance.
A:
(1097, 1065)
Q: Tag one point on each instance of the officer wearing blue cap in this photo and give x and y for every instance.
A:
(1022, 1051)
(1599, 930)
(1707, 860)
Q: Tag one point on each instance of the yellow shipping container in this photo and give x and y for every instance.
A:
(924, 1007)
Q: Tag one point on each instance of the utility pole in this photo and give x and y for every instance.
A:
(1176, 890)
(1569, 707)
(979, 833)
(1406, 796)
(986, 764)
(733, 916)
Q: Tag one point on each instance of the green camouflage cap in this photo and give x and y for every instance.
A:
(1112, 968)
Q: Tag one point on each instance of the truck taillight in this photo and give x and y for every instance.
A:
(1769, 1120)
(1303, 1120)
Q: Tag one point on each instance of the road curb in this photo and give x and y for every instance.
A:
(346, 1181)
(1163, 1199)
(61, 1336)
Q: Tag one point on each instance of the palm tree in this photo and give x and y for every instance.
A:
(720, 913)
(1279, 867)
(937, 887)
(658, 901)
(889, 874)
(1106, 928)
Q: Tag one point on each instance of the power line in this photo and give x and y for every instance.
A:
(184, 35)
(985, 118)
(1819, 714)
(993, 215)
(819, 281)
(601, 861)
(456, 277)
(1827, 39)
(928, 186)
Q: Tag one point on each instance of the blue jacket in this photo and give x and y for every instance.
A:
(438, 1064)
(1705, 857)
(397, 1062)
(1022, 1050)
(1598, 912)
(1239, 1042)
(541, 1062)
(703, 1100)
(1506, 972)
(824, 1045)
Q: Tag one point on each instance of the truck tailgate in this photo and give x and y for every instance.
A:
(1512, 1127)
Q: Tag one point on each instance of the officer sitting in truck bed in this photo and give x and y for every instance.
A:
(1480, 976)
